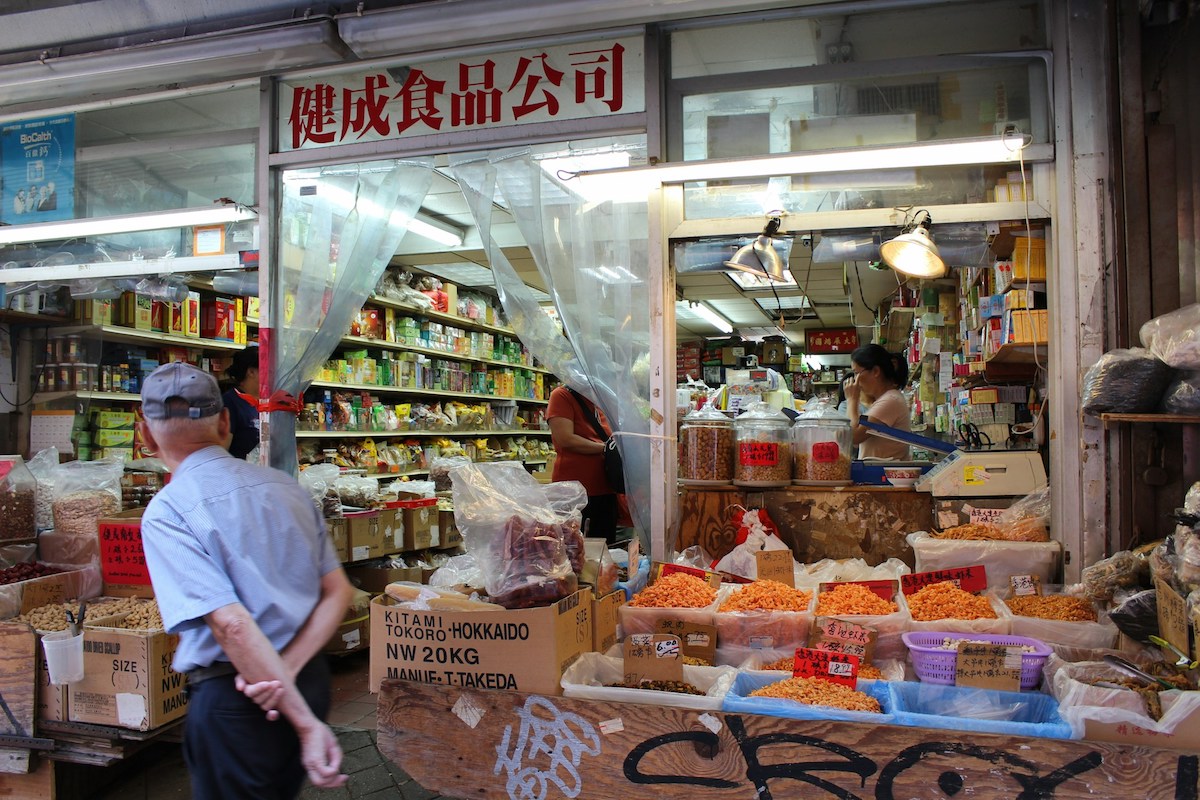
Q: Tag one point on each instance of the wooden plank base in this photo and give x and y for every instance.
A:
(513, 746)
(17, 643)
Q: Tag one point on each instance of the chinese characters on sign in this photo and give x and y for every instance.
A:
(758, 454)
(825, 452)
(121, 557)
(969, 579)
(555, 83)
(833, 667)
(831, 340)
(37, 160)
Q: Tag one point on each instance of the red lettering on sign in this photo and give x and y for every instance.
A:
(477, 99)
(363, 109)
(758, 454)
(313, 117)
(828, 666)
(532, 73)
(825, 452)
(605, 81)
(418, 101)
(969, 579)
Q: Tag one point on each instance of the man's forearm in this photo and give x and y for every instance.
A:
(255, 659)
(314, 634)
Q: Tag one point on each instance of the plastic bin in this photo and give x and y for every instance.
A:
(988, 711)
(738, 700)
(934, 664)
(762, 629)
(587, 677)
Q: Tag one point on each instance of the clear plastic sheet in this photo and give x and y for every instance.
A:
(982, 710)
(1126, 382)
(763, 629)
(1028, 519)
(236, 282)
(833, 570)
(1084, 705)
(1175, 337)
(517, 533)
(1001, 559)
(593, 259)
(1098, 635)
(42, 465)
(1183, 394)
(335, 243)
(80, 489)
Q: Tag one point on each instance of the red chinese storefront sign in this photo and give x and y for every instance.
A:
(830, 340)
(556, 83)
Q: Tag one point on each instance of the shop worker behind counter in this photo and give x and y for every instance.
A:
(878, 378)
(242, 401)
(245, 574)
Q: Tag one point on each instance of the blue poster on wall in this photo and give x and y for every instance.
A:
(37, 162)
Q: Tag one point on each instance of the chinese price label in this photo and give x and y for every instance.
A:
(833, 667)
(776, 565)
(698, 641)
(758, 454)
(840, 636)
(1025, 585)
(1172, 615)
(825, 452)
(121, 557)
(653, 657)
(988, 666)
(969, 579)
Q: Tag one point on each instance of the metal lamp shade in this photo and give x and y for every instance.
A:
(759, 258)
(914, 254)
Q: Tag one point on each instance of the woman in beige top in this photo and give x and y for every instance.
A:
(878, 377)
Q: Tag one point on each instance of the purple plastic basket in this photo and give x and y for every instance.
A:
(934, 664)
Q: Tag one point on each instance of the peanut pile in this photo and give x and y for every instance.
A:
(707, 454)
(817, 692)
(808, 469)
(53, 617)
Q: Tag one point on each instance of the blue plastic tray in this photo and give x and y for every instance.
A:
(738, 701)
(925, 705)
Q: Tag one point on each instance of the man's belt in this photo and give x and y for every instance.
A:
(216, 670)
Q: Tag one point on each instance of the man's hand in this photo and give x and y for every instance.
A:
(322, 757)
(266, 694)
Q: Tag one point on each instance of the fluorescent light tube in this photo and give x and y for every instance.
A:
(703, 311)
(132, 223)
(634, 181)
(441, 233)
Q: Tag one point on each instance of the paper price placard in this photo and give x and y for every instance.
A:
(834, 667)
(839, 636)
(776, 565)
(1172, 615)
(988, 666)
(969, 579)
(653, 657)
(660, 570)
(1025, 585)
(697, 640)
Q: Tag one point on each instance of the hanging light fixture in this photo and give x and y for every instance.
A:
(760, 257)
(913, 252)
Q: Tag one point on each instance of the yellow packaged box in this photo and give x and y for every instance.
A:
(94, 312)
(113, 437)
(524, 651)
(128, 681)
(113, 420)
(1028, 259)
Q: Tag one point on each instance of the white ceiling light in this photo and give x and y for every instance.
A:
(705, 313)
(120, 269)
(913, 252)
(131, 223)
(464, 273)
(760, 258)
(638, 181)
(441, 232)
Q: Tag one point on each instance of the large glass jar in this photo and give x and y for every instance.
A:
(18, 499)
(764, 447)
(822, 442)
(706, 448)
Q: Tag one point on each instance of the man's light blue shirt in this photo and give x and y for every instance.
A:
(225, 531)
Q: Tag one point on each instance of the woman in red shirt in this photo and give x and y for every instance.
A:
(580, 449)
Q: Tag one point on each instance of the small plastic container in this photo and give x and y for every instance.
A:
(934, 663)
(64, 656)
(706, 448)
(764, 447)
(822, 443)
(18, 499)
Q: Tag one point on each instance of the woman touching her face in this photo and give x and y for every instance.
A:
(874, 391)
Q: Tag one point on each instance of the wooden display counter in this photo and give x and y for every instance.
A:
(867, 522)
(509, 745)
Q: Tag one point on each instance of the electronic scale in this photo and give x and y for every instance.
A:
(985, 473)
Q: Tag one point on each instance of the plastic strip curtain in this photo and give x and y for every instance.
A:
(593, 260)
(338, 231)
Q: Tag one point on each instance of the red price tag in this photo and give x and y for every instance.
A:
(833, 667)
(825, 452)
(758, 454)
(969, 579)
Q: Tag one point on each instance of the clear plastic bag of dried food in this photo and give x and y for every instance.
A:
(42, 465)
(357, 491)
(1028, 519)
(84, 492)
(1121, 570)
(517, 529)
(318, 480)
(439, 470)
(1183, 394)
(1125, 381)
(1175, 337)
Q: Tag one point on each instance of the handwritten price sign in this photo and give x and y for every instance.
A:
(758, 454)
(1025, 585)
(839, 636)
(833, 667)
(652, 657)
(698, 640)
(969, 579)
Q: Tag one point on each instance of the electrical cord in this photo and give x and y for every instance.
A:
(1032, 426)
(16, 403)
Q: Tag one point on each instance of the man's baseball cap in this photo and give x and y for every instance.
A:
(185, 382)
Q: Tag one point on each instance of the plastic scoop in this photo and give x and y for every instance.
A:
(1184, 660)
